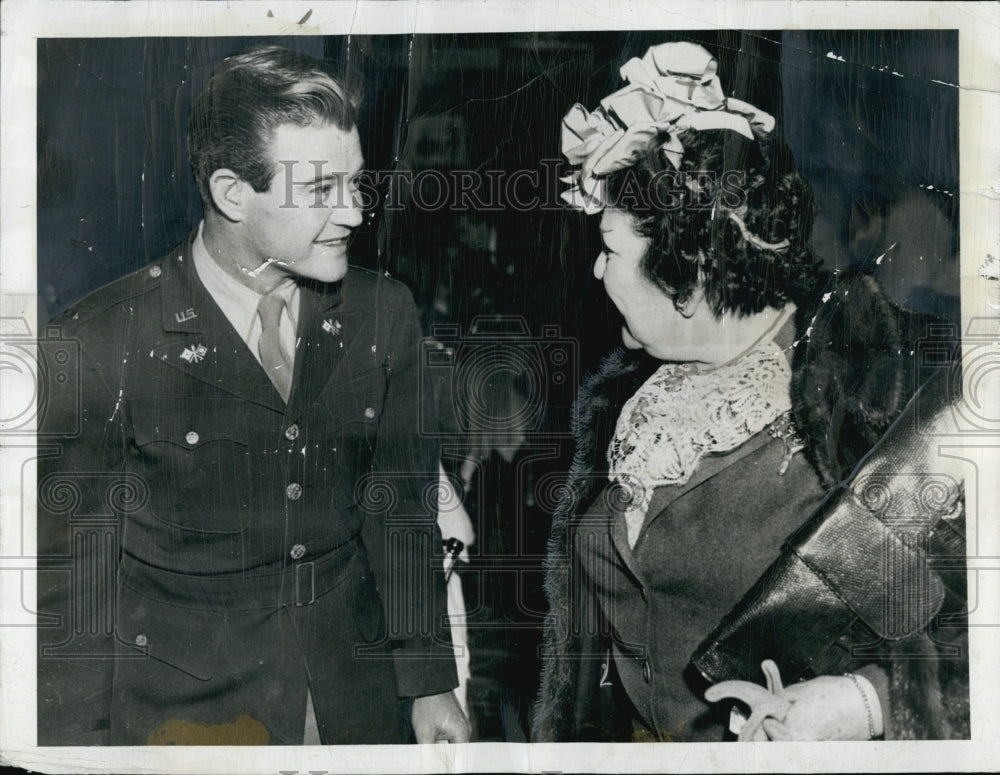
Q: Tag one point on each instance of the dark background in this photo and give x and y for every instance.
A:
(871, 116)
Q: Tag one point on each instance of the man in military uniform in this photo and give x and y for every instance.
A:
(237, 525)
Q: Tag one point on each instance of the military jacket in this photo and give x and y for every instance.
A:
(207, 552)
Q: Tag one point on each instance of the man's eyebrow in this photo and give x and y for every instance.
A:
(329, 177)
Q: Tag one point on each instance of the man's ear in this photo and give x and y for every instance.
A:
(229, 193)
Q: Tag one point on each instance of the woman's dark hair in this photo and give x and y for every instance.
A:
(249, 95)
(694, 241)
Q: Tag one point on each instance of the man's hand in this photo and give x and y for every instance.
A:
(439, 717)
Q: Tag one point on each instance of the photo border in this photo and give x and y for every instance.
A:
(23, 23)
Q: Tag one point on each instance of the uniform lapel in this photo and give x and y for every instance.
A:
(199, 340)
(326, 332)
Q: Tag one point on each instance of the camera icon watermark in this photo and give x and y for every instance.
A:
(970, 376)
(41, 383)
(497, 381)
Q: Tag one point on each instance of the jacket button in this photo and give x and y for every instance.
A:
(294, 491)
(292, 432)
(155, 271)
(370, 413)
(192, 438)
(298, 552)
(140, 640)
(646, 673)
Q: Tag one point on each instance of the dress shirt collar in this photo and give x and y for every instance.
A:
(238, 302)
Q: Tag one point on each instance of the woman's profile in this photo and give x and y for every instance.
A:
(713, 569)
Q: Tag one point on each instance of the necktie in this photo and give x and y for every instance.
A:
(276, 362)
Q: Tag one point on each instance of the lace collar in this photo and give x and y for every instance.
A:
(682, 412)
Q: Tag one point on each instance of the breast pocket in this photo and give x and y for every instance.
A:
(195, 458)
(353, 410)
(355, 404)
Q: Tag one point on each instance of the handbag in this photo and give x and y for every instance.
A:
(869, 569)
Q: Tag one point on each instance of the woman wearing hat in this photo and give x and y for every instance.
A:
(717, 560)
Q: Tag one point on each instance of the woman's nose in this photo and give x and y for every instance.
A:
(599, 264)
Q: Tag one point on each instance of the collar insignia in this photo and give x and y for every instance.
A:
(194, 354)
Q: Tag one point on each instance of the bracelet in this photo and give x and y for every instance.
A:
(864, 699)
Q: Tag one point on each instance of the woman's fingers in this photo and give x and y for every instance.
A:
(760, 735)
(776, 730)
(772, 675)
(746, 692)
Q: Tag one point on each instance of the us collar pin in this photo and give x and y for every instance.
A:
(194, 354)
(185, 315)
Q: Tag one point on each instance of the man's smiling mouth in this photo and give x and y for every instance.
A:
(334, 242)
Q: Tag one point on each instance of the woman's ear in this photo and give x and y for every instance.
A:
(692, 304)
(229, 194)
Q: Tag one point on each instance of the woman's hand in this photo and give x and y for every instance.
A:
(823, 708)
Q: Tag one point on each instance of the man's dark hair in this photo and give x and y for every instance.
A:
(249, 95)
(694, 240)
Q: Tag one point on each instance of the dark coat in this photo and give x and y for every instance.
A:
(855, 367)
(208, 553)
